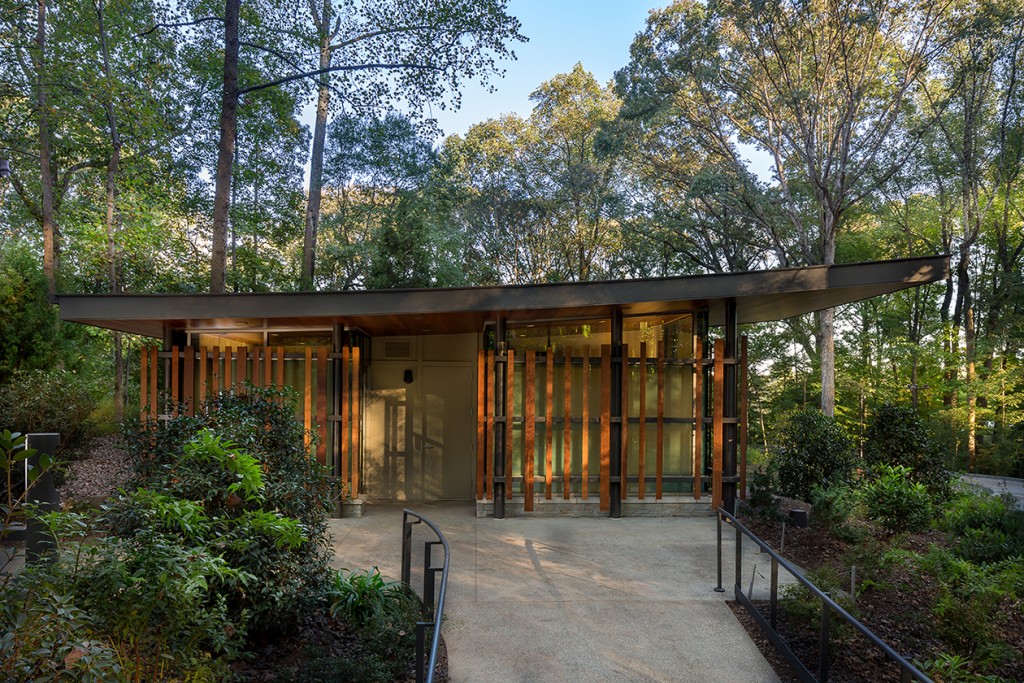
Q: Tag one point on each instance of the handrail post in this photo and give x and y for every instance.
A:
(718, 588)
(739, 560)
(823, 643)
(773, 603)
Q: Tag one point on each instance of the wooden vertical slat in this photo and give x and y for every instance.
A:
(344, 426)
(529, 427)
(489, 425)
(567, 425)
(189, 379)
(144, 383)
(585, 467)
(257, 371)
(242, 376)
(154, 375)
(204, 389)
(605, 444)
(175, 381)
(321, 398)
(215, 374)
(698, 416)
(307, 397)
(624, 454)
(354, 425)
(268, 365)
(642, 462)
(229, 354)
(481, 359)
(659, 465)
(549, 421)
(509, 414)
(742, 427)
(280, 368)
(716, 427)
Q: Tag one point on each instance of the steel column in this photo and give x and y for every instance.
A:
(501, 394)
(730, 408)
(616, 475)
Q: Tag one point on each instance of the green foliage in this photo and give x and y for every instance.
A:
(263, 497)
(13, 484)
(972, 603)
(54, 400)
(951, 668)
(762, 488)
(29, 329)
(895, 501)
(834, 507)
(364, 598)
(984, 528)
(897, 436)
(804, 608)
(812, 451)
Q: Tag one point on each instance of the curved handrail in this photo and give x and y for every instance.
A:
(429, 571)
(906, 668)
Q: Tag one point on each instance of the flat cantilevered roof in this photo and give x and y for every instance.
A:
(760, 296)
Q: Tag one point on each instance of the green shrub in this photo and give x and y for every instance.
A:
(970, 607)
(985, 528)
(895, 501)
(804, 608)
(365, 598)
(834, 507)
(813, 451)
(897, 436)
(265, 496)
(55, 400)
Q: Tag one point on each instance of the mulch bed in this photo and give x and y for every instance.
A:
(899, 614)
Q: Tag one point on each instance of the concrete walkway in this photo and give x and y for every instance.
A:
(553, 599)
(998, 485)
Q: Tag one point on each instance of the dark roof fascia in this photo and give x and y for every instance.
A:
(765, 294)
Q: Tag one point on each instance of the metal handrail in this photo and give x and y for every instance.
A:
(908, 671)
(426, 675)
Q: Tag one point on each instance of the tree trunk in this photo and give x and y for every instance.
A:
(972, 407)
(226, 151)
(316, 158)
(826, 320)
(51, 245)
(112, 167)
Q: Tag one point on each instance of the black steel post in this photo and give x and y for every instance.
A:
(42, 494)
(616, 475)
(500, 391)
(730, 408)
(823, 654)
(719, 588)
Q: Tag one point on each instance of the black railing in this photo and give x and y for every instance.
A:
(908, 672)
(426, 664)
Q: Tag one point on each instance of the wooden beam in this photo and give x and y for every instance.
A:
(549, 422)
(567, 425)
(606, 421)
(659, 465)
(307, 398)
(698, 415)
(344, 426)
(204, 388)
(744, 417)
(509, 413)
(481, 419)
(529, 427)
(174, 381)
(321, 398)
(586, 423)
(355, 425)
(489, 426)
(624, 455)
(642, 441)
(189, 380)
(716, 427)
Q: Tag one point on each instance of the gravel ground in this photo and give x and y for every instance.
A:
(97, 475)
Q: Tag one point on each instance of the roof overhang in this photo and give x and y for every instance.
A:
(760, 296)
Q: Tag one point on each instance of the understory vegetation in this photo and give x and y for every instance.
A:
(936, 570)
(217, 548)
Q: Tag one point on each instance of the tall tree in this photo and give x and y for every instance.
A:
(819, 86)
(393, 51)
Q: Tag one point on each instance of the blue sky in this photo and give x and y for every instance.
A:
(596, 33)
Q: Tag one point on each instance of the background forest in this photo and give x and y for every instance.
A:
(158, 147)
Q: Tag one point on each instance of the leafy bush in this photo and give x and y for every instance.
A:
(364, 598)
(897, 436)
(263, 496)
(985, 528)
(813, 451)
(53, 400)
(804, 608)
(895, 501)
(764, 483)
(834, 507)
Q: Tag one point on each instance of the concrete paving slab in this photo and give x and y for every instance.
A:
(551, 599)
